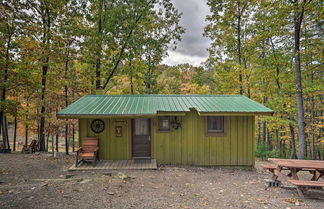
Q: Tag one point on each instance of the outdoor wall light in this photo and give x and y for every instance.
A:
(176, 123)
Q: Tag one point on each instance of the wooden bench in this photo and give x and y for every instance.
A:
(88, 151)
(269, 167)
(31, 148)
(301, 185)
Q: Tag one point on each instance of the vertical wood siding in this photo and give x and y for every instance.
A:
(188, 145)
(110, 146)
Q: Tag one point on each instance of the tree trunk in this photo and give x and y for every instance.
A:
(5, 137)
(239, 44)
(66, 139)
(3, 121)
(43, 109)
(264, 124)
(99, 49)
(264, 132)
(283, 148)
(313, 129)
(47, 138)
(298, 18)
(4, 130)
(57, 142)
(45, 67)
(66, 96)
(131, 84)
(259, 132)
(269, 140)
(131, 77)
(26, 124)
(15, 134)
(26, 134)
(277, 65)
(73, 138)
(147, 80)
(313, 115)
(292, 142)
(38, 131)
(53, 145)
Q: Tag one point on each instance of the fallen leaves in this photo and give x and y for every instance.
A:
(294, 201)
(123, 176)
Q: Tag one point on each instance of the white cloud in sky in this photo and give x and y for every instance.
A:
(176, 58)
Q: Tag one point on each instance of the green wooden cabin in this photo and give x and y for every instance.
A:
(173, 129)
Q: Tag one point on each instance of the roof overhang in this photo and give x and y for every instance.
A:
(163, 113)
(103, 116)
(159, 113)
(235, 113)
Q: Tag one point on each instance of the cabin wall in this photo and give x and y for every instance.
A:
(110, 146)
(187, 145)
(190, 146)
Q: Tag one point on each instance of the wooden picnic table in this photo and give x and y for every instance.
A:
(315, 167)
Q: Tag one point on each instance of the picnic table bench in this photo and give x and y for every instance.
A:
(315, 167)
(303, 185)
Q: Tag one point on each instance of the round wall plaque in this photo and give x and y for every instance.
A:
(97, 126)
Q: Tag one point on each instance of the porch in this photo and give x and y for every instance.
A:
(136, 164)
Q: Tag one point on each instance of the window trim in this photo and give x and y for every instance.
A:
(215, 133)
(158, 124)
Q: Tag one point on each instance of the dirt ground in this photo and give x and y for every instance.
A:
(40, 181)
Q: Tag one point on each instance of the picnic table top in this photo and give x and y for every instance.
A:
(300, 164)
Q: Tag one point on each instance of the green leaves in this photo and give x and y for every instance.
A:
(254, 40)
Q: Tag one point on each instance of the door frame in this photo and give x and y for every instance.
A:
(150, 122)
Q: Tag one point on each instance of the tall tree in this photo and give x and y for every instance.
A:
(228, 29)
(299, 9)
(45, 14)
(10, 27)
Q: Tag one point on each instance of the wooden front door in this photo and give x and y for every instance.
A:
(141, 137)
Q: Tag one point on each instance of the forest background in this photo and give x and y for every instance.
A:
(52, 52)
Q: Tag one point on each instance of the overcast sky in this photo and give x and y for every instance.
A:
(193, 47)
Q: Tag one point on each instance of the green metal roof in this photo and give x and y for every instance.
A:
(127, 105)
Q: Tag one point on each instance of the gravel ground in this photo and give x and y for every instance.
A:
(39, 181)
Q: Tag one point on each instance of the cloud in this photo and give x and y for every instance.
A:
(176, 58)
(193, 46)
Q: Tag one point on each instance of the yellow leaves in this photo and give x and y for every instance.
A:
(193, 88)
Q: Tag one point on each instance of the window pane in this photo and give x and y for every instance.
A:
(215, 123)
(164, 123)
(141, 126)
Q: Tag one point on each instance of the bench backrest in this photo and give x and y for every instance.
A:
(89, 144)
(33, 143)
